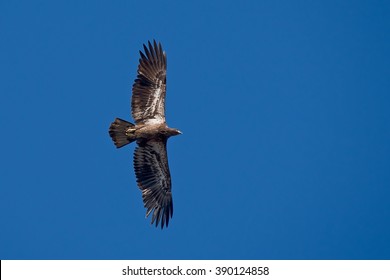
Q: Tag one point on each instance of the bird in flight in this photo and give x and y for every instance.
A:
(151, 133)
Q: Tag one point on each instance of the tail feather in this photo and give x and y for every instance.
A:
(120, 132)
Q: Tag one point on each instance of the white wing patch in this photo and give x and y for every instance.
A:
(154, 108)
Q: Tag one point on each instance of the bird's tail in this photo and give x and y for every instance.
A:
(122, 132)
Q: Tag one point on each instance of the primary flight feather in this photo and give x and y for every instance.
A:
(151, 133)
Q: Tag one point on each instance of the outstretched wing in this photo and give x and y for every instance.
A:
(148, 100)
(154, 179)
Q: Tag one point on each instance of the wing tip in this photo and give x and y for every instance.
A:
(160, 214)
(152, 50)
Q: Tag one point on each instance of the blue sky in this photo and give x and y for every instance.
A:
(284, 109)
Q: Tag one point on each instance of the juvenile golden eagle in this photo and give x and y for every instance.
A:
(151, 133)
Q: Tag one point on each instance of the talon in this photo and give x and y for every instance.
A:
(130, 132)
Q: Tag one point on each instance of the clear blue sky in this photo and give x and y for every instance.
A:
(284, 108)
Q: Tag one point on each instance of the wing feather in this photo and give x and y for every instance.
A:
(149, 88)
(154, 180)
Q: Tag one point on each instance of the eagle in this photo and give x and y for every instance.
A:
(151, 134)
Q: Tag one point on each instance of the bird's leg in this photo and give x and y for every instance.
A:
(130, 131)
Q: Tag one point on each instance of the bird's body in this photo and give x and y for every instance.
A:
(154, 131)
(151, 133)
